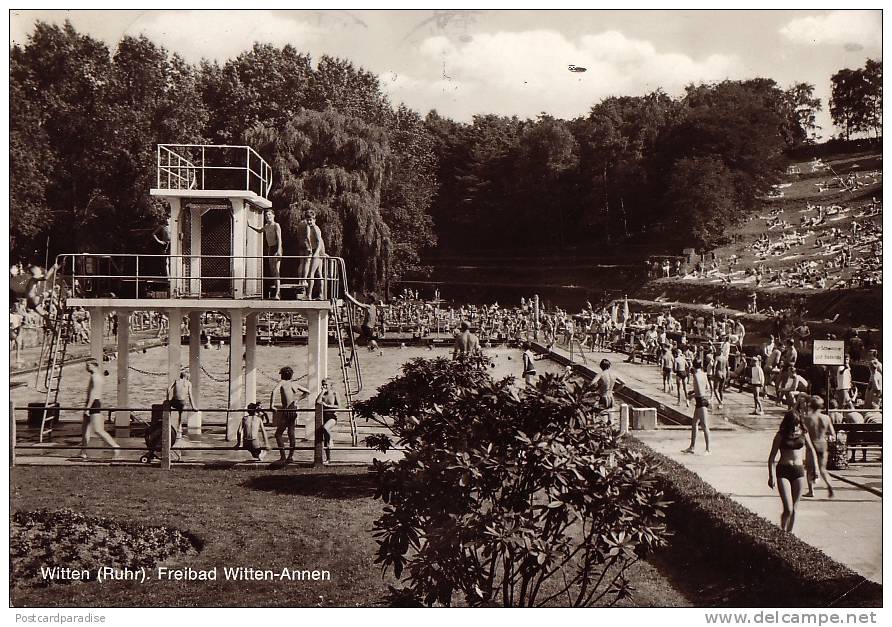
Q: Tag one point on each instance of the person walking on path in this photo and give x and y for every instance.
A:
(680, 365)
(720, 373)
(529, 368)
(757, 381)
(788, 475)
(285, 410)
(604, 384)
(700, 392)
(180, 392)
(819, 426)
(93, 421)
(666, 363)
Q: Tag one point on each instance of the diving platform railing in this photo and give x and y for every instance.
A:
(139, 277)
(202, 167)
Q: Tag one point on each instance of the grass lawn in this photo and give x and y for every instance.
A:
(298, 518)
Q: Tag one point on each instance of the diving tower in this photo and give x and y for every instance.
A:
(217, 197)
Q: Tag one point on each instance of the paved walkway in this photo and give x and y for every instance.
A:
(848, 527)
(648, 379)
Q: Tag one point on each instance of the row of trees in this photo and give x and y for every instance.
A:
(386, 183)
(856, 101)
(84, 123)
(635, 169)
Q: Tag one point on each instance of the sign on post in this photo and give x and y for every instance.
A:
(828, 352)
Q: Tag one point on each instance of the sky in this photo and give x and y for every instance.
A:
(516, 62)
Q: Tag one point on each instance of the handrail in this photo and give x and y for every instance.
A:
(240, 281)
(182, 173)
(228, 410)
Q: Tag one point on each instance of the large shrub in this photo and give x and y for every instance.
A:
(504, 496)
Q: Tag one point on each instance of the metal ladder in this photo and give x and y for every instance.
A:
(342, 324)
(55, 360)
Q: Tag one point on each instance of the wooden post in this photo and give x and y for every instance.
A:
(239, 226)
(827, 369)
(317, 359)
(165, 440)
(623, 419)
(174, 363)
(194, 417)
(236, 390)
(317, 440)
(12, 434)
(122, 418)
(174, 262)
(250, 358)
(97, 327)
(195, 250)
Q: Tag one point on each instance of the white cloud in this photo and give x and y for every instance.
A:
(222, 35)
(526, 72)
(842, 28)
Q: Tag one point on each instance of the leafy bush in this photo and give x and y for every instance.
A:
(72, 540)
(781, 569)
(504, 496)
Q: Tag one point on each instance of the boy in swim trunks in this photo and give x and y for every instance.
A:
(818, 426)
(700, 392)
(285, 410)
(329, 400)
(272, 239)
(179, 392)
(252, 433)
(93, 422)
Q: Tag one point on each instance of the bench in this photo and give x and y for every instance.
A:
(867, 436)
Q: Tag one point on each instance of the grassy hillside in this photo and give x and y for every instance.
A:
(801, 247)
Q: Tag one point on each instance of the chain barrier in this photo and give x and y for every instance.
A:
(147, 372)
(214, 378)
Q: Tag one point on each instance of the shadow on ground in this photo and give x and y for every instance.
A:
(360, 485)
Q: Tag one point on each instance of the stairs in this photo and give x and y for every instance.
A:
(62, 330)
(343, 328)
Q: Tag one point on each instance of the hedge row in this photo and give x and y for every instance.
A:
(779, 569)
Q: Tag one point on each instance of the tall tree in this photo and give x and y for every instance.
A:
(546, 152)
(409, 190)
(336, 165)
(873, 95)
(801, 100)
(31, 165)
(265, 85)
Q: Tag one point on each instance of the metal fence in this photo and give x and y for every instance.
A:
(212, 167)
(166, 444)
(138, 276)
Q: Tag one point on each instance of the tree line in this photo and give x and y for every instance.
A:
(388, 185)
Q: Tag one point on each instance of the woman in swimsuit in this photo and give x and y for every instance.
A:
(328, 398)
(791, 441)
